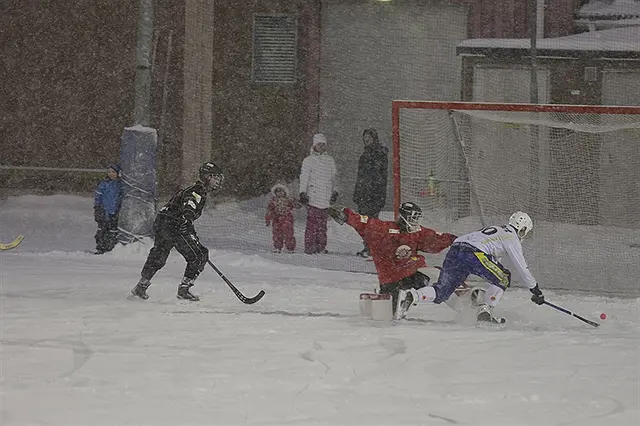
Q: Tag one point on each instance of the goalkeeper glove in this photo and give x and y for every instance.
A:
(338, 214)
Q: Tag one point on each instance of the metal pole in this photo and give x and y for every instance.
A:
(533, 5)
(534, 165)
(143, 62)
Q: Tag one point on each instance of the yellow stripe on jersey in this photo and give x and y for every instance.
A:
(493, 268)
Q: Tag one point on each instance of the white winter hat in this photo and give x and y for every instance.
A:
(319, 138)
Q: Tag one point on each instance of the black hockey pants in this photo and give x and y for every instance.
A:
(166, 237)
(107, 234)
(416, 281)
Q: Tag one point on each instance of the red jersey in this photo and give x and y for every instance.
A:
(395, 254)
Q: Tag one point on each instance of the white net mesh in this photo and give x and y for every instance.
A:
(576, 173)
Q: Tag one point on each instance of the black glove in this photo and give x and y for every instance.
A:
(538, 297)
(184, 226)
(304, 198)
(334, 197)
(98, 214)
(338, 214)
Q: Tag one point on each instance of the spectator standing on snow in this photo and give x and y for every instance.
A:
(318, 191)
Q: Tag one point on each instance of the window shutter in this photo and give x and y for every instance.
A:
(274, 49)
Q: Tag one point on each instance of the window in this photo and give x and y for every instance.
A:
(274, 49)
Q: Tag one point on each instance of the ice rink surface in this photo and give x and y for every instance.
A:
(75, 351)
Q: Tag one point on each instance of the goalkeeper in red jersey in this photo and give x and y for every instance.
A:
(394, 247)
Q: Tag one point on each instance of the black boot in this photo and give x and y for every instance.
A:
(184, 293)
(140, 290)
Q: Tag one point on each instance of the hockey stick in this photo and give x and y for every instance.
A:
(239, 295)
(568, 312)
(12, 244)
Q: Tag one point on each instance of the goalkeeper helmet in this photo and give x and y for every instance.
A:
(410, 216)
(522, 223)
(211, 175)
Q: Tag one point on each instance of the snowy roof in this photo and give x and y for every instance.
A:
(611, 9)
(622, 42)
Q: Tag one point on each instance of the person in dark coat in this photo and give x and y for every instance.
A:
(106, 207)
(370, 193)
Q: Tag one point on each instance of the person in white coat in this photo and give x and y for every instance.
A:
(318, 191)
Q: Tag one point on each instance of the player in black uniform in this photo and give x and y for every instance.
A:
(173, 227)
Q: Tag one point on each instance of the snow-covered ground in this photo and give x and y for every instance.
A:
(75, 351)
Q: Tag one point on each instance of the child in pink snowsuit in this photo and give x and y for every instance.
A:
(280, 215)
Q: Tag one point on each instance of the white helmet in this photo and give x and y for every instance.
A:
(522, 223)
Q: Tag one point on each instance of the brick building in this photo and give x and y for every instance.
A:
(247, 83)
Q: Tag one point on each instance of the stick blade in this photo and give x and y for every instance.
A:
(254, 299)
(12, 244)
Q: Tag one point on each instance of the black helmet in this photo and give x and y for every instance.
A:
(211, 175)
(410, 215)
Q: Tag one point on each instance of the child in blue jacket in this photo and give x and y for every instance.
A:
(106, 207)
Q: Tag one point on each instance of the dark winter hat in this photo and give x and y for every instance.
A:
(374, 134)
(115, 166)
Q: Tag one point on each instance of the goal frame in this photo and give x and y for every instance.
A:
(398, 105)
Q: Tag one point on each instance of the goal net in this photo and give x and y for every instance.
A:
(574, 169)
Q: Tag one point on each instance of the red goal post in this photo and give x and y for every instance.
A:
(574, 168)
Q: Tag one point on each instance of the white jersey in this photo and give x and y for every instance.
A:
(498, 241)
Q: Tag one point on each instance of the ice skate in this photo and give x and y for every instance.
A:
(406, 298)
(485, 314)
(140, 290)
(184, 292)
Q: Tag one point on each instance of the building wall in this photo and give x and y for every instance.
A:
(198, 67)
(68, 78)
(260, 130)
(512, 18)
(67, 85)
(65, 69)
(167, 91)
(374, 53)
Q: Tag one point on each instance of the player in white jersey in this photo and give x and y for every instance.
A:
(477, 253)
